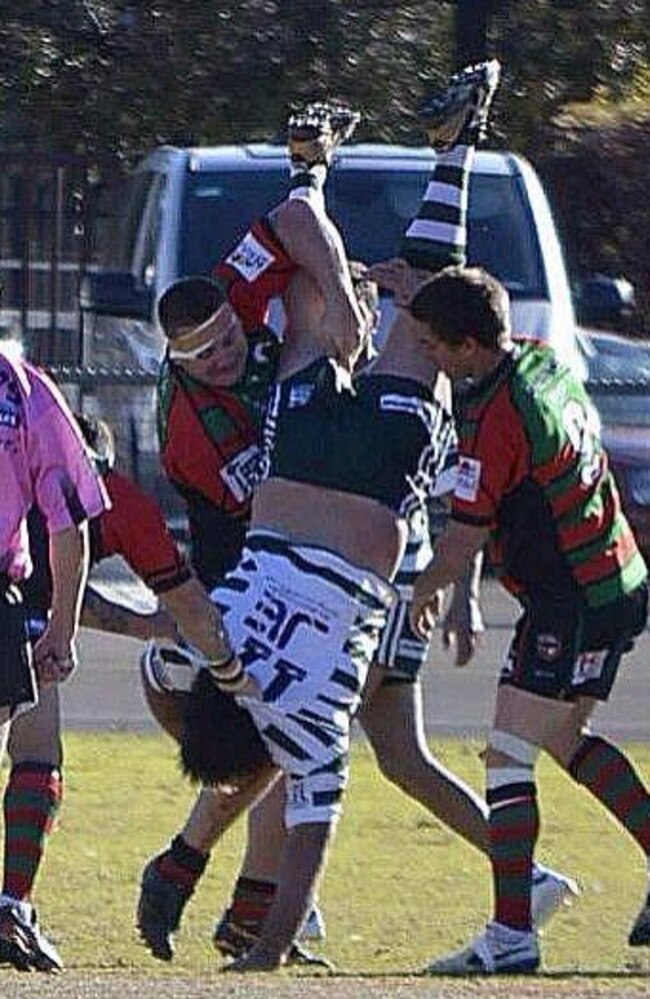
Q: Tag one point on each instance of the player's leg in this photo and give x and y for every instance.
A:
(31, 801)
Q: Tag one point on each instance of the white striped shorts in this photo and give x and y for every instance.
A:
(306, 625)
(401, 652)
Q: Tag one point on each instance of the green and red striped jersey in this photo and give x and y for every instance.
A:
(210, 436)
(533, 470)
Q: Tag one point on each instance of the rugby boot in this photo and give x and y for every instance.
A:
(314, 927)
(233, 937)
(550, 891)
(22, 942)
(460, 113)
(496, 951)
(160, 907)
(315, 131)
(640, 932)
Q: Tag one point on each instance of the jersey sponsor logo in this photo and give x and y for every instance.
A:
(241, 473)
(407, 404)
(589, 666)
(468, 477)
(250, 258)
(548, 647)
(300, 395)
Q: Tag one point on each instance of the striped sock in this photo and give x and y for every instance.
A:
(605, 771)
(514, 825)
(31, 800)
(182, 864)
(251, 901)
(437, 236)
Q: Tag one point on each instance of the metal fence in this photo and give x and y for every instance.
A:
(49, 237)
(53, 229)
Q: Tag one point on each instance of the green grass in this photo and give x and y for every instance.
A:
(399, 887)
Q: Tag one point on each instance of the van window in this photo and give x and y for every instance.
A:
(126, 235)
(144, 257)
(218, 208)
(372, 208)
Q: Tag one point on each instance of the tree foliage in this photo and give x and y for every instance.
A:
(115, 77)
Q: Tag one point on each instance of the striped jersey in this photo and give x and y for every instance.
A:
(533, 470)
(209, 436)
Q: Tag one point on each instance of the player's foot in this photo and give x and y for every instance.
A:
(460, 114)
(22, 942)
(496, 951)
(314, 927)
(550, 891)
(640, 932)
(234, 938)
(159, 912)
(315, 131)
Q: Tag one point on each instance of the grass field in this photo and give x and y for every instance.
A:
(399, 888)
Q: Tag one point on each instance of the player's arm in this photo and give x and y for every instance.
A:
(464, 619)
(106, 615)
(54, 653)
(454, 553)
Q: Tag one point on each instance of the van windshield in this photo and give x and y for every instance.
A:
(372, 208)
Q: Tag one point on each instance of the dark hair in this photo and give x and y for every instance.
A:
(190, 300)
(100, 440)
(463, 301)
(220, 743)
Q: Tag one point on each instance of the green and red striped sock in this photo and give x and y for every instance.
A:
(514, 826)
(605, 771)
(31, 800)
(182, 864)
(251, 901)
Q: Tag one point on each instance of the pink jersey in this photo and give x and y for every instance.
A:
(43, 460)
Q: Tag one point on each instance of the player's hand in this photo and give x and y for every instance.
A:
(461, 630)
(398, 277)
(54, 658)
(426, 608)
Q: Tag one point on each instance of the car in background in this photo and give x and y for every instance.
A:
(619, 384)
(184, 208)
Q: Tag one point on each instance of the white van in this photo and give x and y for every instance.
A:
(184, 208)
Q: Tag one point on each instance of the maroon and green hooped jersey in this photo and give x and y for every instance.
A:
(210, 437)
(533, 470)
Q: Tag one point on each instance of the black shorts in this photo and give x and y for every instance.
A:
(17, 681)
(563, 650)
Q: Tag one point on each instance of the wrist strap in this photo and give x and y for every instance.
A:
(229, 675)
(225, 667)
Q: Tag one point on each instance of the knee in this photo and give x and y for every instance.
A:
(510, 760)
(563, 748)
(35, 739)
